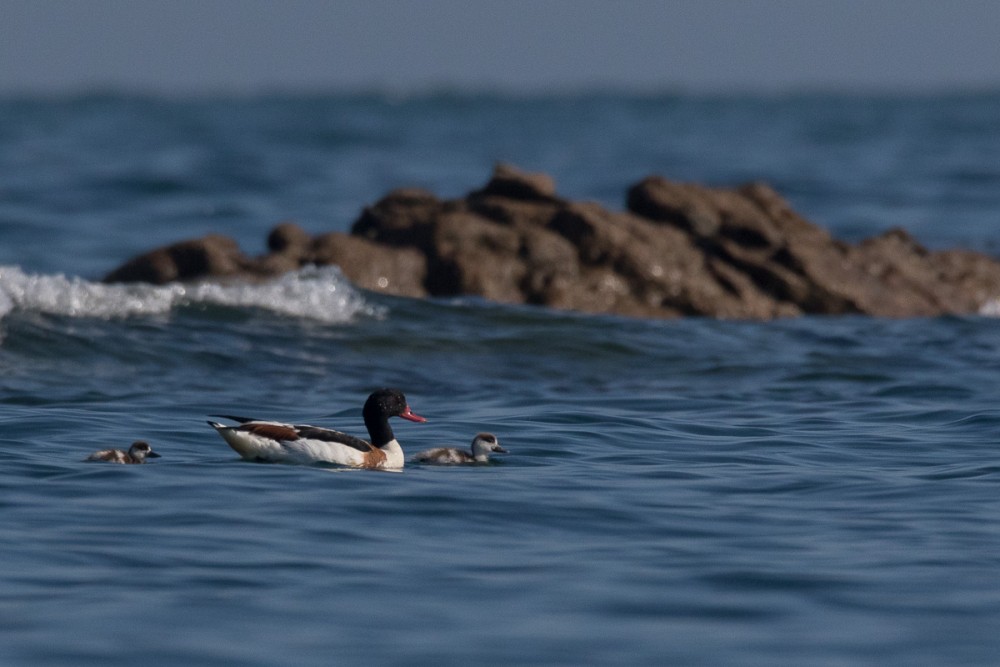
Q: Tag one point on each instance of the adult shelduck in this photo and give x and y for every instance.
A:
(137, 453)
(257, 440)
(482, 445)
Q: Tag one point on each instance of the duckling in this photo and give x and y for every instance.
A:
(482, 445)
(137, 453)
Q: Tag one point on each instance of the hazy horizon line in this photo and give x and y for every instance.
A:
(432, 90)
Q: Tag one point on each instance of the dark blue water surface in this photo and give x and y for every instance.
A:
(817, 491)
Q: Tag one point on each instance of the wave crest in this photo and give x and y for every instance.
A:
(316, 293)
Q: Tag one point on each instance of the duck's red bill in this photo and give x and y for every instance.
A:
(411, 416)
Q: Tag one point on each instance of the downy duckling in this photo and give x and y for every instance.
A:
(482, 445)
(137, 453)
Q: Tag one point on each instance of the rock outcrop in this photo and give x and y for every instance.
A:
(678, 249)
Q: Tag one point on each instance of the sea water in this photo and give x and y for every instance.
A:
(811, 491)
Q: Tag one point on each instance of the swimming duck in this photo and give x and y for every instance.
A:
(137, 453)
(258, 440)
(482, 445)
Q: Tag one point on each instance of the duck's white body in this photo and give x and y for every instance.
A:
(259, 440)
(307, 450)
(482, 445)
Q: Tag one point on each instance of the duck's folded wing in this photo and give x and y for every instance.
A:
(329, 435)
(270, 430)
(236, 418)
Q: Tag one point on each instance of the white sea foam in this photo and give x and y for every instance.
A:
(321, 294)
(991, 308)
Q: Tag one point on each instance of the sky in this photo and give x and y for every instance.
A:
(405, 46)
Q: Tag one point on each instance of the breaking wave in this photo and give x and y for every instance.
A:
(991, 308)
(316, 293)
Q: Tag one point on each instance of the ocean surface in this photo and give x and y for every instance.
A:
(813, 491)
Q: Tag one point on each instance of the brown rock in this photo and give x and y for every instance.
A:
(401, 218)
(678, 249)
(509, 182)
(288, 238)
(380, 268)
(213, 255)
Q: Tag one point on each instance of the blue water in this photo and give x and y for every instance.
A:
(817, 491)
